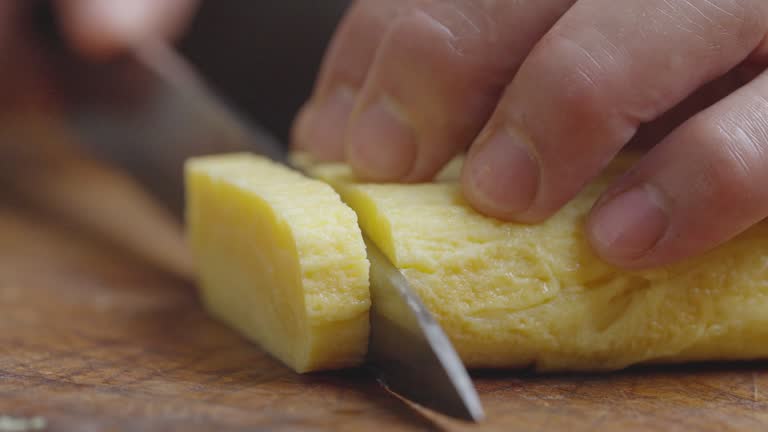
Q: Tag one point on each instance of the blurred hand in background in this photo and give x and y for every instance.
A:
(94, 30)
(101, 28)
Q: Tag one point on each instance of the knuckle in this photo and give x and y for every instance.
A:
(559, 52)
(733, 161)
(467, 40)
(467, 22)
(447, 47)
(572, 75)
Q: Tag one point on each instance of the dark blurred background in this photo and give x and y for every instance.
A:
(262, 55)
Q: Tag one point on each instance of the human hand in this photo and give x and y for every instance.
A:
(95, 29)
(544, 93)
(100, 28)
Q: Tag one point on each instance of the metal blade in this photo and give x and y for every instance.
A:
(149, 113)
(409, 348)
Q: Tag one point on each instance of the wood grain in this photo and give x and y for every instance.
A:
(95, 340)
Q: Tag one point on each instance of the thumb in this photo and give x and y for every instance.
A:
(102, 28)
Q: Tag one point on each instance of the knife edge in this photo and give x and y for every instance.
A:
(409, 349)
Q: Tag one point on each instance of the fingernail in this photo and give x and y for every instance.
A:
(628, 225)
(320, 128)
(380, 144)
(503, 175)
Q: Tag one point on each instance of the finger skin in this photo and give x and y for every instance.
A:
(104, 28)
(709, 178)
(588, 85)
(320, 125)
(441, 69)
(650, 134)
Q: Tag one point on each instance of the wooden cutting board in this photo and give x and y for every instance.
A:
(93, 339)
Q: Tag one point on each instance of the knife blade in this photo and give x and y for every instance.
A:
(149, 112)
(175, 108)
(410, 350)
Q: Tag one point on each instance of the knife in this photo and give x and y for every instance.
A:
(169, 114)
